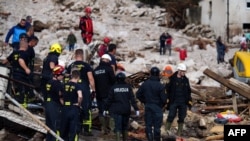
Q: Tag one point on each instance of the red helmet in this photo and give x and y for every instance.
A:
(88, 10)
(58, 70)
(106, 40)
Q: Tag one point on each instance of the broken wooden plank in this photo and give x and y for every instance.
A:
(219, 101)
(215, 137)
(226, 83)
(239, 84)
(223, 107)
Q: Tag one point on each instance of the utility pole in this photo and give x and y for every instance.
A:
(227, 20)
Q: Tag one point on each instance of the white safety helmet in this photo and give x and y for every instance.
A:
(106, 56)
(182, 67)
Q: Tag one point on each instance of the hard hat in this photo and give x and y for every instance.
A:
(106, 40)
(23, 35)
(58, 70)
(120, 77)
(155, 71)
(168, 71)
(106, 56)
(182, 67)
(56, 47)
(87, 10)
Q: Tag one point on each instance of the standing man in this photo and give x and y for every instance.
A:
(118, 103)
(49, 63)
(163, 38)
(15, 32)
(72, 99)
(86, 82)
(71, 40)
(152, 94)
(86, 26)
(19, 60)
(53, 92)
(104, 79)
(28, 22)
(112, 52)
(221, 49)
(179, 97)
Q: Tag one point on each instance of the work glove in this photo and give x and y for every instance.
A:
(190, 104)
(93, 94)
(105, 113)
(137, 113)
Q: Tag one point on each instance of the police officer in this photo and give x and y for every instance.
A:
(19, 60)
(72, 99)
(53, 94)
(49, 63)
(87, 81)
(104, 79)
(119, 101)
(179, 97)
(152, 94)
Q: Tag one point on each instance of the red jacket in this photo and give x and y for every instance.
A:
(169, 41)
(102, 50)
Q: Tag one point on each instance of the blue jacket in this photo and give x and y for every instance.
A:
(15, 31)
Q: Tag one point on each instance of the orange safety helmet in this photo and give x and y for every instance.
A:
(168, 71)
(106, 40)
(87, 10)
(58, 70)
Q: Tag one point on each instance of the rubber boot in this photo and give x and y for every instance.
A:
(103, 125)
(117, 136)
(111, 122)
(180, 128)
(150, 137)
(124, 135)
(168, 125)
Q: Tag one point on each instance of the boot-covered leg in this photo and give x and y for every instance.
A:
(168, 125)
(150, 137)
(180, 128)
(124, 135)
(117, 136)
(103, 125)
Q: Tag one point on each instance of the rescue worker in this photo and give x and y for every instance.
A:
(104, 79)
(15, 32)
(152, 94)
(86, 82)
(118, 103)
(103, 48)
(33, 41)
(53, 101)
(50, 61)
(86, 26)
(72, 99)
(112, 52)
(168, 71)
(179, 97)
(19, 60)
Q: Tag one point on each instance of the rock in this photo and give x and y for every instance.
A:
(39, 26)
